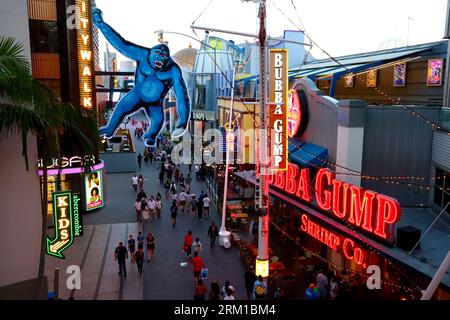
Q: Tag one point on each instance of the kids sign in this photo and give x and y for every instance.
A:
(63, 213)
(371, 212)
(278, 112)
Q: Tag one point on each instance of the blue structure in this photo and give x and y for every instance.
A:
(156, 73)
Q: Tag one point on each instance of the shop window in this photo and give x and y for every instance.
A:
(44, 36)
(442, 189)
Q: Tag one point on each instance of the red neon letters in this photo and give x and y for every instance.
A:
(365, 209)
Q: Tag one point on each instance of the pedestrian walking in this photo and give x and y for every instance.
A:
(146, 157)
(193, 205)
(259, 289)
(206, 204)
(134, 182)
(334, 289)
(200, 291)
(140, 240)
(187, 246)
(199, 209)
(173, 187)
(150, 246)
(250, 279)
(176, 175)
(312, 293)
(139, 160)
(138, 207)
(226, 287)
(139, 258)
(175, 197)
(120, 255)
(181, 179)
(322, 285)
(229, 295)
(169, 172)
(150, 156)
(214, 293)
(213, 233)
(144, 210)
(182, 199)
(141, 183)
(173, 214)
(161, 177)
(197, 265)
(158, 206)
(167, 187)
(152, 207)
(131, 247)
(197, 245)
(141, 195)
(188, 182)
(197, 171)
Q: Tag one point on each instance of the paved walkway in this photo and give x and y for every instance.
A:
(164, 277)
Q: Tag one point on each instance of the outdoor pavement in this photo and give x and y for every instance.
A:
(164, 277)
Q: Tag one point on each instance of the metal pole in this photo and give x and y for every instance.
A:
(443, 210)
(428, 294)
(223, 231)
(262, 260)
(56, 284)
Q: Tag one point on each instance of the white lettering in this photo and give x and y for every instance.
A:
(278, 63)
(74, 280)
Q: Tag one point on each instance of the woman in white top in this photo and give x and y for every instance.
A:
(226, 287)
(229, 294)
(158, 205)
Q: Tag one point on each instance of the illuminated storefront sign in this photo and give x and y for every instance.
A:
(65, 162)
(278, 109)
(85, 57)
(400, 74)
(63, 217)
(371, 212)
(332, 240)
(94, 190)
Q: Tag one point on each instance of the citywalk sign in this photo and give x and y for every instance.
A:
(68, 223)
(278, 109)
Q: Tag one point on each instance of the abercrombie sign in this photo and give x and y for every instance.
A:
(369, 211)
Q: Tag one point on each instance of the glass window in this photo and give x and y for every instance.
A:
(43, 36)
(442, 189)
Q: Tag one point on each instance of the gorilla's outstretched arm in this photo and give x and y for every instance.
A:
(183, 103)
(125, 47)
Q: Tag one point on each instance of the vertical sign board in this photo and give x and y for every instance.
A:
(85, 56)
(94, 190)
(77, 217)
(64, 229)
(278, 109)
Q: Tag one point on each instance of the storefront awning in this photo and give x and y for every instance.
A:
(308, 155)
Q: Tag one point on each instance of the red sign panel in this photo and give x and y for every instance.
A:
(367, 210)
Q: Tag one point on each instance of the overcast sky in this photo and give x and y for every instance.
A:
(340, 27)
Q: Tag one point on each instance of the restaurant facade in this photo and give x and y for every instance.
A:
(358, 195)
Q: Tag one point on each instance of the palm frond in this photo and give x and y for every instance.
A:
(11, 59)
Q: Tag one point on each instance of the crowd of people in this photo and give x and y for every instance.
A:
(177, 195)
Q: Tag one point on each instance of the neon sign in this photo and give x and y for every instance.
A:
(367, 210)
(77, 217)
(63, 217)
(278, 95)
(64, 162)
(85, 54)
(339, 244)
(94, 190)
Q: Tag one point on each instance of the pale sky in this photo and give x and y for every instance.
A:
(339, 26)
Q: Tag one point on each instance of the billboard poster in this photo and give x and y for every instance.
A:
(348, 81)
(400, 75)
(371, 79)
(278, 109)
(434, 73)
(94, 190)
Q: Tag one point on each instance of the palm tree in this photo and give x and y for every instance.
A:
(26, 106)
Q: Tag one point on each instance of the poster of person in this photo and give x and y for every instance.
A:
(371, 79)
(348, 81)
(434, 73)
(400, 75)
(94, 190)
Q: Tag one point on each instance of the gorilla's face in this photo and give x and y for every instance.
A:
(159, 58)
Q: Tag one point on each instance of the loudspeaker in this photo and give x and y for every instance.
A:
(407, 237)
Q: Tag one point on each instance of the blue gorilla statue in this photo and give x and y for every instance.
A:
(156, 73)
